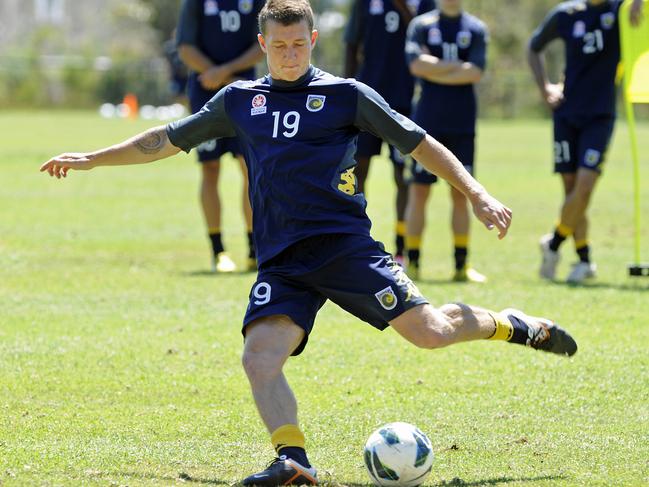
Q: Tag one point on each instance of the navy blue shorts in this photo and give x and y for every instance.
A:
(370, 145)
(212, 149)
(353, 271)
(581, 142)
(461, 145)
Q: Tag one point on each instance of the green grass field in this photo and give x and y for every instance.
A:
(120, 355)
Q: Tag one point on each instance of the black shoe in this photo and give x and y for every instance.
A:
(545, 335)
(283, 471)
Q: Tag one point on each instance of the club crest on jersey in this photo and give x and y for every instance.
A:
(434, 36)
(211, 7)
(464, 39)
(245, 6)
(376, 7)
(591, 157)
(387, 299)
(579, 29)
(258, 105)
(315, 103)
(607, 19)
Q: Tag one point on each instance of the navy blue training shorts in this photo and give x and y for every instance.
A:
(353, 271)
(369, 145)
(581, 142)
(211, 149)
(461, 145)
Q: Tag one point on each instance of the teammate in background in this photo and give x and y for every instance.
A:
(177, 71)
(298, 128)
(446, 50)
(377, 31)
(218, 43)
(583, 114)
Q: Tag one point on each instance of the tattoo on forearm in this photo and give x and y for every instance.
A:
(150, 142)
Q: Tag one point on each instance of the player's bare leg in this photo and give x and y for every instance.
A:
(401, 204)
(460, 224)
(584, 268)
(270, 341)
(247, 214)
(415, 222)
(428, 327)
(573, 214)
(361, 171)
(211, 205)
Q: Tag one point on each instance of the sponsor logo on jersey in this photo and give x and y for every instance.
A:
(211, 7)
(258, 105)
(607, 19)
(376, 7)
(464, 39)
(591, 157)
(315, 103)
(387, 298)
(245, 6)
(434, 36)
(578, 29)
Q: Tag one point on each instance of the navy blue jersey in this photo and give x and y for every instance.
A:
(378, 27)
(448, 109)
(222, 30)
(299, 141)
(592, 50)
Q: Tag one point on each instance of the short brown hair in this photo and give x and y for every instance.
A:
(286, 12)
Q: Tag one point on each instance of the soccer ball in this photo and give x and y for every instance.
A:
(398, 454)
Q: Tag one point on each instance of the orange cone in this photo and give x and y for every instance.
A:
(130, 100)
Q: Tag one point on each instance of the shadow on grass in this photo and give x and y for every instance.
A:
(461, 483)
(181, 477)
(639, 285)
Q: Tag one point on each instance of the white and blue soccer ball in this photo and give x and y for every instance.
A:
(398, 454)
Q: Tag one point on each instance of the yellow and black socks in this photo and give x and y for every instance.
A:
(510, 329)
(215, 239)
(400, 239)
(461, 250)
(583, 250)
(288, 440)
(413, 243)
(561, 232)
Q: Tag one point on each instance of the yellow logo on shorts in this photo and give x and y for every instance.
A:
(387, 298)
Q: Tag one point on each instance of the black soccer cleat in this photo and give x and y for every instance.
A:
(545, 335)
(283, 471)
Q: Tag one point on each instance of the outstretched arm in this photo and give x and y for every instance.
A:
(440, 161)
(148, 146)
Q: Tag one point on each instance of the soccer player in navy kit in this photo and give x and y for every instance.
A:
(217, 40)
(446, 50)
(583, 114)
(298, 127)
(377, 31)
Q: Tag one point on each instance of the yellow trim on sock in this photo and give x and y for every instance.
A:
(461, 240)
(413, 242)
(212, 231)
(580, 244)
(564, 230)
(400, 228)
(504, 328)
(287, 435)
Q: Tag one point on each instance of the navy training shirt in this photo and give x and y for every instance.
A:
(447, 109)
(592, 51)
(378, 27)
(299, 141)
(221, 29)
